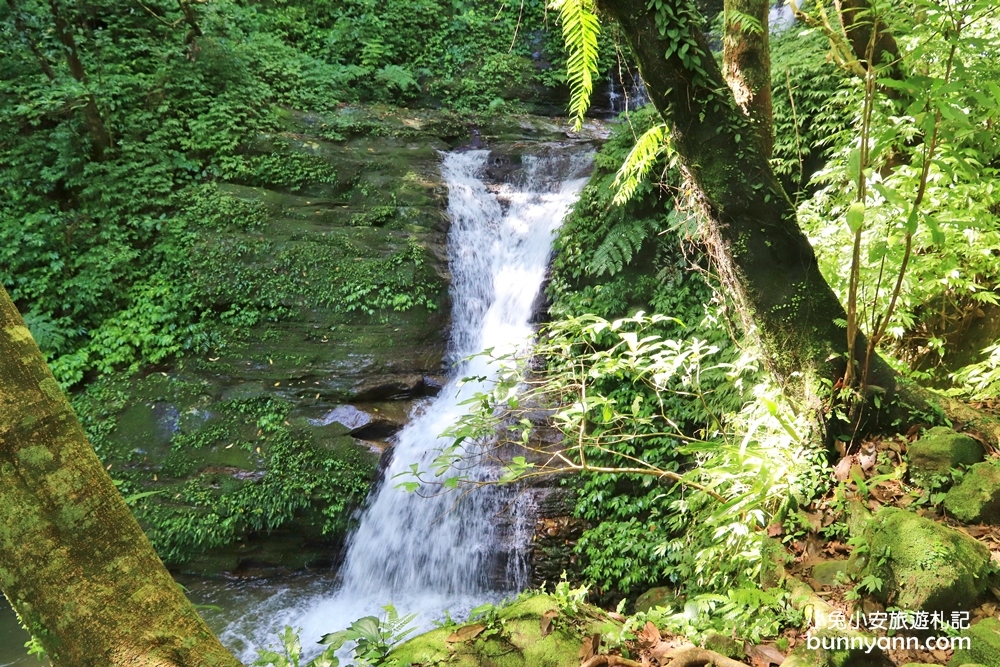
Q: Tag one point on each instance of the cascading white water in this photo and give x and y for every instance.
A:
(430, 554)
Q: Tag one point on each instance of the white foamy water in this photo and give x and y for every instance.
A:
(430, 554)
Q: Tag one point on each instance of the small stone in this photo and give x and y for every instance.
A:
(977, 498)
(939, 450)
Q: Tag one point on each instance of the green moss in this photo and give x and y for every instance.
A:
(984, 645)
(226, 473)
(848, 649)
(939, 450)
(830, 573)
(661, 596)
(923, 565)
(977, 498)
(520, 644)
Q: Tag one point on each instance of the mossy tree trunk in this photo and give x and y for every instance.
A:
(859, 24)
(761, 254)
(746, 65)
(73, 561)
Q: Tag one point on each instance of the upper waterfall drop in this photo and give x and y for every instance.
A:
(436, 553)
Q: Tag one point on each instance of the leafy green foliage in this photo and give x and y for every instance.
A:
(747, 612)
(99, 250)
(931, 202)
(580, 30)
(809, 105)
(375, 637)
(648, 148)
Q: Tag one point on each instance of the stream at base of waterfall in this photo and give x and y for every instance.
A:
(423, 551)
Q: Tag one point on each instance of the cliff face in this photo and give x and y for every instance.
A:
(255, 455)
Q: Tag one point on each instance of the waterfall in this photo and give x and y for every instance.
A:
(626, 92)
(430, 552)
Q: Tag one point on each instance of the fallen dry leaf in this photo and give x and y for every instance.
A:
(763, 655)
(465, 633)
(546, 621)
(590, 647)
(649, 635)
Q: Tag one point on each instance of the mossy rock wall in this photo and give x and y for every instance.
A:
(329, 281)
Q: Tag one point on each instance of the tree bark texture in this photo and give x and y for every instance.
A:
(746, 65)
(762, 256)
(858, 23)
(74, 563)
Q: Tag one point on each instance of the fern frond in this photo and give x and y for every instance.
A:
(580, 29)
(618, 248)
(748, 24)
(648, 148)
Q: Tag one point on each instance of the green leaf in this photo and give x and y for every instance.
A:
(580, 29)
(856, 216)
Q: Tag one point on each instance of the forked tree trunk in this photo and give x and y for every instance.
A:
(762, 256)
(74, 563)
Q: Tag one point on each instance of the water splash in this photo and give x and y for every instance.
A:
(430, 554)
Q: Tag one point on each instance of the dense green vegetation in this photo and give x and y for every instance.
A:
(198, 188)
(687, 394)
(111, 148)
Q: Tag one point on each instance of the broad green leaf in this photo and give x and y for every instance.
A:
(856, 216)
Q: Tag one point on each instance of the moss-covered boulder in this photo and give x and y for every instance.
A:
(977, 498)
(830, 572)
(514, 639)
(984, 645)
(924, 565)
(661, 596)
(939, 450)
(837, 648)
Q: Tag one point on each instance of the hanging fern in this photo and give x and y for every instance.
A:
(620, 245)
(647, 150)
(580, 30)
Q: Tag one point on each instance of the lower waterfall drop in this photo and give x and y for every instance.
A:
(437, 553)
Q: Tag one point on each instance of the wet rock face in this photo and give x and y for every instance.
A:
(555, 536)
(332, 320)
(924, 565)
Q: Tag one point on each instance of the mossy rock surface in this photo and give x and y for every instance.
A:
(984, 645)
(520, 644)
(830, 573)
(661, 596)
(924, 565)
(939, 450)
(977, 498)
(837, 648)
(326, 280)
